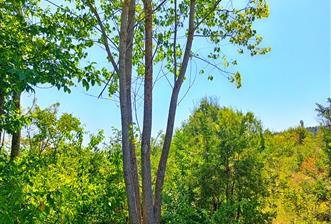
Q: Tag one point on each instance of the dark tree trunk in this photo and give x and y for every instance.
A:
(2, 112)
(238, 212)
(148, 213)
(16, 137)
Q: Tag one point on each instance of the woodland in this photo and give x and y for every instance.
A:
(219, 166)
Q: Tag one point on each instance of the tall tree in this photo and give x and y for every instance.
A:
(131, 30)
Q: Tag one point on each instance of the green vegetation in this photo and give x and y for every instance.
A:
(223, 168)
(220, 166)
(57, 180)
(51, 43)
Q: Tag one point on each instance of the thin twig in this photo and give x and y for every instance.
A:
(214, 65)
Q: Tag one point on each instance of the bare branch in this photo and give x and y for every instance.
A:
(214, 65)
(104, 37)
(191, 83)
(159, 5)
(106, 84)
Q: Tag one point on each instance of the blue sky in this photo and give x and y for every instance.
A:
(281, 88)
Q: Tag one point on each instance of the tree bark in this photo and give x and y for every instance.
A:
(125, 117)
(148, 212)
(128, 61)
(171, 116)
(127, 33)
(16, 137)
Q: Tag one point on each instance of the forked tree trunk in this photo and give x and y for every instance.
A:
(148, 212)
(16, 137)
(171, 116)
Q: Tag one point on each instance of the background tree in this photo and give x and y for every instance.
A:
(297, 173)
(57, 180)
(39, 46)
(47, 131)
(324, 112)
(218, 154)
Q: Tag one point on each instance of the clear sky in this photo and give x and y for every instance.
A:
(281, 88)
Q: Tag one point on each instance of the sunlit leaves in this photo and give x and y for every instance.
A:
(57, 180)
(217, 152)
(40, 45)
(236, 78)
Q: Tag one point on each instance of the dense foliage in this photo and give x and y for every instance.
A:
(48, 42)
(217, 154)
(223, 168)
(57, 180)
(40, 46)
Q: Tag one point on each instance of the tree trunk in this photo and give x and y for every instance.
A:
(128, 61)
(148, 213)
(125, 74)
(2, 112)
(171, 116)
(125, 117)
(16, 137)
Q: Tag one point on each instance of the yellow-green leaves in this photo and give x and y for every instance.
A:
(236, 78)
